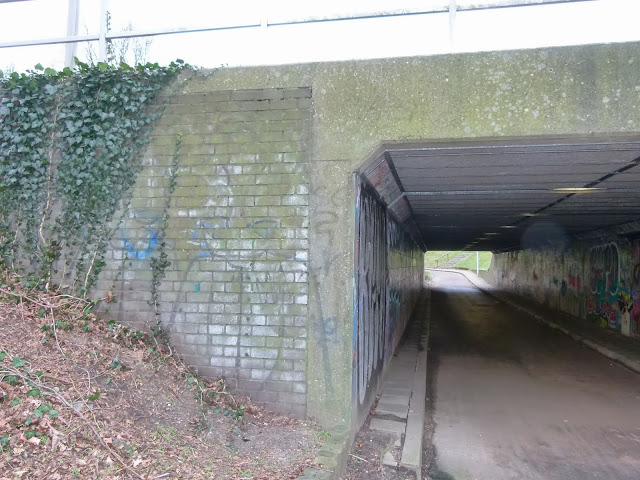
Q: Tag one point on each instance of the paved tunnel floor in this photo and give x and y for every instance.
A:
(514, 399)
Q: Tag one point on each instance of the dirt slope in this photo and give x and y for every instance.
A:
(83, 398)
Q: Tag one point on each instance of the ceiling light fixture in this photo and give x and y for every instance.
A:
(508, 226)
(578, 189)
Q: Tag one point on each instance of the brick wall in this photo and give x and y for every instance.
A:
(234, 300)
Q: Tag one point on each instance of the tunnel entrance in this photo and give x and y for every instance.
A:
(504, 195)
(508, 194)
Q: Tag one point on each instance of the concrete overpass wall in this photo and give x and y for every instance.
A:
(260, 229)
(599, 282)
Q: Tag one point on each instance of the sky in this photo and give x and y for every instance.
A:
(595, 21)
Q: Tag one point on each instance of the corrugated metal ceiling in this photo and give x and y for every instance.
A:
(511, 194)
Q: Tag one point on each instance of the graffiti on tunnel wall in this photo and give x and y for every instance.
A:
(614, 295)
(604, 262)
(600, 283)
(371, 255)
(605, 269)
(388, 280)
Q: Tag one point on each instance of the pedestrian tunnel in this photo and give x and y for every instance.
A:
(562, 216)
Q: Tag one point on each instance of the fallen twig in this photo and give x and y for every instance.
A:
(359, 458)
(55, 333)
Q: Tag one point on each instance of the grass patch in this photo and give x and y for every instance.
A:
(470, 263)
(432, 259)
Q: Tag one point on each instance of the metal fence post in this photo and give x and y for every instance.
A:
(102, 39)
(72, 30)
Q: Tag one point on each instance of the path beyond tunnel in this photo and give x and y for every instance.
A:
(514, 399)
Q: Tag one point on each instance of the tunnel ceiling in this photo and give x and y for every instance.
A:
(512, 194)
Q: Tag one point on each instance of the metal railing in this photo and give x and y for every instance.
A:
(441, 256)
(103, 36)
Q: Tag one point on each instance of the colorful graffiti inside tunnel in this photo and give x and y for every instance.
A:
(567, 210)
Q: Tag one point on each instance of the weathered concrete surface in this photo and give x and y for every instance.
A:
(515, 399)
(359, 104)
(354, 107)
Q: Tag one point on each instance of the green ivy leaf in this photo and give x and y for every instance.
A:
(99, 131)
(18, 362)
(81, 65)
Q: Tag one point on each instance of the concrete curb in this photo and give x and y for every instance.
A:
(412, 449)
(630, 363)
(331, 461)
(332, 457)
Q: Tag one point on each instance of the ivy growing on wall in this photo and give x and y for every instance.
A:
(70, 149)
(160, 262)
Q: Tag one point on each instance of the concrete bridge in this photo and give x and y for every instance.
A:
(307, 194)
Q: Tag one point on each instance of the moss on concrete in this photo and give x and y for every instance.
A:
(359, 105)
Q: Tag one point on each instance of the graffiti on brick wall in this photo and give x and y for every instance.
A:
(141, 238)
(205, 247)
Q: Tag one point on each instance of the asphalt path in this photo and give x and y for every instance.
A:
(514, 399)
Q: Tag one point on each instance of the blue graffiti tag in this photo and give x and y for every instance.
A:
(142, 254)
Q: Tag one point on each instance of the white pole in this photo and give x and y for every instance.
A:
(71, 49)
(477, 263)
(102, 41)
(453, 7)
